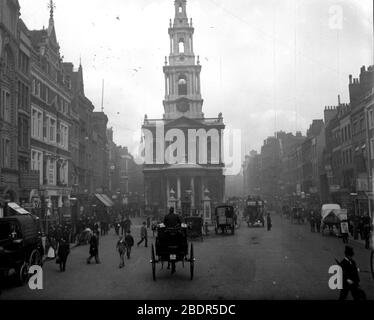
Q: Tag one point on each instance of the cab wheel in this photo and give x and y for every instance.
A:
(23, 274)
(153, 262)
(35, 258)
(192, 262)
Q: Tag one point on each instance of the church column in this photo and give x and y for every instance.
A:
(193, 193)
(167, 191)
(179, 196)
(190, 84)
(166, 86)
(202, 187)
(198, 85)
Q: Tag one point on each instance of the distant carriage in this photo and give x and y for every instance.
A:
(331, 217)
(254, 213)
(195, 227)
(224, 219)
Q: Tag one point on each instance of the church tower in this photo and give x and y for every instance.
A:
(182, 71)
(184, 149)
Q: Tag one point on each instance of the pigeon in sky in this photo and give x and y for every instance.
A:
(118, 18)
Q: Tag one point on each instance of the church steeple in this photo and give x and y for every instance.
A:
(180, 13)
(51, 7)
(182, 73)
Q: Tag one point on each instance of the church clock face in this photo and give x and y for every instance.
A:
(183, 106)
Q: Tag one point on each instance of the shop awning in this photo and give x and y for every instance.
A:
(17, 208)
(104, 200)
(108, 200)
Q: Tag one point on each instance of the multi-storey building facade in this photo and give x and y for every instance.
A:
(311, 150)
(51, 99)
(99, 152)
(360, 90)
(252, 174)
(16, 179)
(9, 47)
(370, 138)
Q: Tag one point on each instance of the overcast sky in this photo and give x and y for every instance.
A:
(267, 64)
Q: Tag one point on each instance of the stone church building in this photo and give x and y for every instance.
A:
(184, 148)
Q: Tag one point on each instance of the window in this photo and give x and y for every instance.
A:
(52, 130)
(371, 119)
(181, 46)
(349, 132)
(180, 9)
(37, 163)
(5, 150)
(361, 124)
(372, 149)
(182, 86)
(64, 142)
(5, 105)
(23, 62)
(36, 124)
(63, 172)
(52, 172)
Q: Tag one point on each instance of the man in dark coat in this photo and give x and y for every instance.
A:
(143, 235)
(351, 279)
(129, 240)
(172, 220)
(268, 221)
(62, 253)
(366, 228)
(94, 248)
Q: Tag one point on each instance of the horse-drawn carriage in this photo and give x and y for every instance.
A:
(298, 215)
(20, 246)
(195, 227)
(225, 219)
(172, 247)
(332, 217)
(254, 213)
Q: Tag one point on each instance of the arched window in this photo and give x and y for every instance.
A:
(180, 9)
(181, 46)
(182, 86)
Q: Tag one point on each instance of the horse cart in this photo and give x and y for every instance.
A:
(20, 246)
(254, 213)
(225, 219)
(332, 217)
(172, 247)
(195, 227)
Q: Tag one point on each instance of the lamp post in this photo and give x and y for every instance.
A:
(172, 201)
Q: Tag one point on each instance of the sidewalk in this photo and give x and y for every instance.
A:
(351, 241)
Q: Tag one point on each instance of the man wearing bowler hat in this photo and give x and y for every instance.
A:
(351, 279)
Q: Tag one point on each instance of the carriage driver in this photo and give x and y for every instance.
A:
(172, 220)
